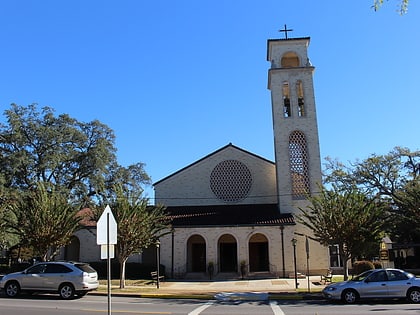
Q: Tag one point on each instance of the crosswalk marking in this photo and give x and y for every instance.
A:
(198, 310)
(276, 309)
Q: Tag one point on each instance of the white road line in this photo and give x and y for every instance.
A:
(276, 309)
(198, 310)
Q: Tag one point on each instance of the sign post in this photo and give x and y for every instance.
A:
(106, 234)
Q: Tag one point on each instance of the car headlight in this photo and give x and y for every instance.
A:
(330, 289)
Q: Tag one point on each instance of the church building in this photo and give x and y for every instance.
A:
(236, 211)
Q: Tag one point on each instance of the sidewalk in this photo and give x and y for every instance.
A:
(225, 290)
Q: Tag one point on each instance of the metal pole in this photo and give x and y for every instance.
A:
(307, 261)
(158, 263)
(282, 251)
(108, 261)
(173, 251)
(294, 241)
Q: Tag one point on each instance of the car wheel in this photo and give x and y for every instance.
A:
(66, 291)
(12, 289)
(350, 296)
(414, 295)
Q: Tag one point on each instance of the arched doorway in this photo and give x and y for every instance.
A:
(72, 251)
(258, 253)
(228, 253)
(196, 254)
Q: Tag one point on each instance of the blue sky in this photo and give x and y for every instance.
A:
(177, 80)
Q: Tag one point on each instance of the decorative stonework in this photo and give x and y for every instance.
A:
(231, 181)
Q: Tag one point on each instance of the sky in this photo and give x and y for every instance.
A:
(178, 80)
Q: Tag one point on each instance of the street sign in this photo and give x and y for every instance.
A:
(104, 251)
(106, 228)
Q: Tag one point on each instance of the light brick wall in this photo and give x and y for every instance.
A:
(242, 235)
(284, 126)
(191, 186)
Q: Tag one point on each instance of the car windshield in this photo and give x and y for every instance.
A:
(362, 276)
(85, 267)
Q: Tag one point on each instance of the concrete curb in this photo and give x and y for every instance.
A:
(222, 296)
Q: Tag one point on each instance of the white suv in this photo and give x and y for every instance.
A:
(64, 278)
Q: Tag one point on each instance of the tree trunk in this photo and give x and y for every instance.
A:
(345, 259)
(122, 272)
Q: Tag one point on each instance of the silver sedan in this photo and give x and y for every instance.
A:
(374, 284)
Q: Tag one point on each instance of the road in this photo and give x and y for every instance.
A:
(89, 305)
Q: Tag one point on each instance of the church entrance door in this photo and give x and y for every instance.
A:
(258, 253)
(196, 254)
(228, 254)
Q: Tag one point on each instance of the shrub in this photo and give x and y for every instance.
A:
(377, 264)
(133, 271)
(361, 266)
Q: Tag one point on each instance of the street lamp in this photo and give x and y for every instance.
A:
(307, 257)
(294, 241)
(158, 263)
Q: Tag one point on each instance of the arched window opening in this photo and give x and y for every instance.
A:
(301, 102)
(298, 165)
(286, 100)
(290, 60)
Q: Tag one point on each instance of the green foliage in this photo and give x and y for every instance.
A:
(346, 218)
(78, 159)
(361, 266)
(37, 146)
(402, 5)
(377, 264)
(139, 225)
(394, 178)
(43, 219)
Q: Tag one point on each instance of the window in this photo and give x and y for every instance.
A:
(395, 275)
(301, 102)
(379, 276)
(335, 260)
(286, 100)
(298, 165)
(40, 268)
(57, 268)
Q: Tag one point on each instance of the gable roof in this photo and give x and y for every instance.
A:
(211, 154)
(229, 215)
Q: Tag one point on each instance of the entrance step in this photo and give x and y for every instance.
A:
(196, 276)
(227, 276)
(260, 275)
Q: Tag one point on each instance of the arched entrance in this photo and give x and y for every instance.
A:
(228, 254)
(258, 253)
(72, 251)
(196, 254)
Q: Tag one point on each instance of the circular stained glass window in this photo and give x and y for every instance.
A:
(231, 181)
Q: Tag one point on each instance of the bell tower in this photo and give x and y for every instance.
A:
(296, 143)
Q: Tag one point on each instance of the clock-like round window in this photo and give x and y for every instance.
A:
(231, 181)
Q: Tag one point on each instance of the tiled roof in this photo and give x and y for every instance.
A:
(229, 215)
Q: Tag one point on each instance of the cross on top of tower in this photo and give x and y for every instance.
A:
(285, 30)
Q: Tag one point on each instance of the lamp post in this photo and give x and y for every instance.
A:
(294, 241)
(307, 257)
(307, 261)
(158, 263)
